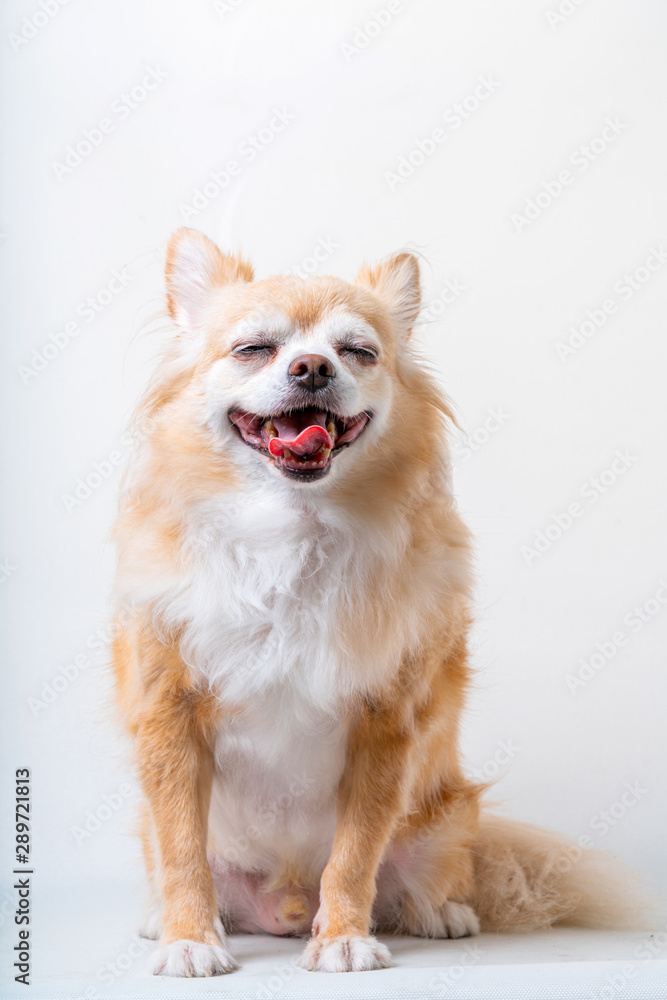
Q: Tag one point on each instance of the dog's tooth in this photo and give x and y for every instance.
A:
(331, 429)
(271, 432)
(287, 453)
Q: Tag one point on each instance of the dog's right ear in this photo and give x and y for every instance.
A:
(396, 282)
(194, 266)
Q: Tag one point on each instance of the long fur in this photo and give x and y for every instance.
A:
(527, 878)
(291, 658)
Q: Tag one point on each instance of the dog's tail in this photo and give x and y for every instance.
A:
(527, 878)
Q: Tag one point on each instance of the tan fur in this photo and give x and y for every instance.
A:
(171, 724)
(403, 789)
(527, 878)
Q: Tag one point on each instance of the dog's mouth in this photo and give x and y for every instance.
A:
(301, 443)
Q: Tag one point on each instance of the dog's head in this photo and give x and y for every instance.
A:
(300, 380)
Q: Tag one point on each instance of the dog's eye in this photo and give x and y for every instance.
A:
(366, 354)
(248, 350)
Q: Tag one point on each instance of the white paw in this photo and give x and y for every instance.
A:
(455, 920)
(344, 954)
(192, 959)
(451, 920)
(152, 923)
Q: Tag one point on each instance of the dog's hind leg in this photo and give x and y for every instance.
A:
(431, 869)
(426, 881)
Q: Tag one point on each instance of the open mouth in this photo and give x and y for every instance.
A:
(300, 442)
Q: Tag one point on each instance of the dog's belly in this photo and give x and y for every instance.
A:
(273, 810)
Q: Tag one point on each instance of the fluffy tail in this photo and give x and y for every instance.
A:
(527, 878)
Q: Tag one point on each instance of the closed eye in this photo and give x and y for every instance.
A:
(244, 350)
(366, 354)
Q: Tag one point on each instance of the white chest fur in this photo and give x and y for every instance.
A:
(271, 601)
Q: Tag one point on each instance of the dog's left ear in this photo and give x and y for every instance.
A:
(396, 283)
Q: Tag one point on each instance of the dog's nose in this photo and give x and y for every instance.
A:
(313, 371)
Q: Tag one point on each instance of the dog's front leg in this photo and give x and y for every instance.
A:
(370, 800)
(176, 767)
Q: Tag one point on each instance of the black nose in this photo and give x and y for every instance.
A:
(312, 371)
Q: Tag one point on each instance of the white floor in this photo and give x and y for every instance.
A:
(84, 948)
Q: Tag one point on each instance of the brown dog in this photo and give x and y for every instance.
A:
(293, 666)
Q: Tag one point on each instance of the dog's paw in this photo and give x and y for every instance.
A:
(457, 920)
(451, 920)
(192, 959)
(344, 954)
(151, 926)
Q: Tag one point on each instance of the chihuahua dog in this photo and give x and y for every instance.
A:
(291, 655)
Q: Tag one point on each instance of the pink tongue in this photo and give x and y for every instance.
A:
(308, 442)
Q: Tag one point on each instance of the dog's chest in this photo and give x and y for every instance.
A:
(263, 612)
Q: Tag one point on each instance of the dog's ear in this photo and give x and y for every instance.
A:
(395, 281)
(194, 266)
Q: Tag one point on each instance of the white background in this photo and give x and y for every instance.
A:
(324, 177)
